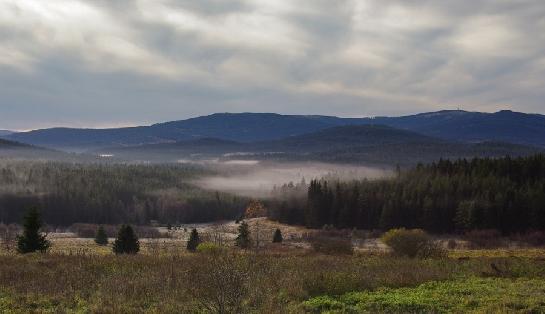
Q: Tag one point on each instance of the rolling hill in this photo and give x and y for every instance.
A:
(375, 144)
(16, 150)
(504, 126)
(5, 132)
(460, 126)
(243, 127)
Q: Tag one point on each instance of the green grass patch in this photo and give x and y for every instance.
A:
(473, 295)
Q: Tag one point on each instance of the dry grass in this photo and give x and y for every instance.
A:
(80, 276)
(534, 253)
(267, 282)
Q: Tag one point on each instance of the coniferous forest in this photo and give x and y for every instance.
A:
(506, 194)
(67, 193)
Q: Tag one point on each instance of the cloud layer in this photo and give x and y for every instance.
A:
(108, 63)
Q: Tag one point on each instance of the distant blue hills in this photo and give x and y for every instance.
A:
(453, 125)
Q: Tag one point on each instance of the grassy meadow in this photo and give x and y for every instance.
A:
(78, 276)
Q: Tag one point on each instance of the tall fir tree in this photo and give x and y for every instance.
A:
(101, 238)
(243, 238)
(126, 241)
(194, 241)
(32, 240)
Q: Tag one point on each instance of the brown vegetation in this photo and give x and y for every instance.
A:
(90, 230)
(223, 282)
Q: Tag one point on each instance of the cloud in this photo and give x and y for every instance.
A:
(99, 62)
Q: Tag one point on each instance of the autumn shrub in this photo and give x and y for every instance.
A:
(412, 243)
(221, 282)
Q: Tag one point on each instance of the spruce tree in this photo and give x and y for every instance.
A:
(277, 238)
(194, 241)
(101, 238)
(243, 239)
(32, 240)
(126, 242)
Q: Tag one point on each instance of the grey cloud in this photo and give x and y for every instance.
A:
(97, 63)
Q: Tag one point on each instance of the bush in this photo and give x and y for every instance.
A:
(209, 247)
(220, 283)
(332, 245)
(487, 238)
(412, 243)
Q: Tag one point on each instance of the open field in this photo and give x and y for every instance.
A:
(78, 276)
(267, 282)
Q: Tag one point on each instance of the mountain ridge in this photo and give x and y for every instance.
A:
(454, 125)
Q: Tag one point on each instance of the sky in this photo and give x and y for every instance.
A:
(102, 63)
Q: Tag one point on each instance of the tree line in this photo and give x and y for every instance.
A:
(507, 194)
(67, 193)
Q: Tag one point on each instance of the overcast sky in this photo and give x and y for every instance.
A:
(100, 63)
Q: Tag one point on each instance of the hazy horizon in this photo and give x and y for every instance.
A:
(114, 126)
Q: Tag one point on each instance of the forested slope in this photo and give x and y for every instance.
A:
(447, 196)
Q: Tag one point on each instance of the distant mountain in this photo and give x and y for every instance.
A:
(375, 144)
(243, 127)
(461, 126)
(505, 126)
(5, 132)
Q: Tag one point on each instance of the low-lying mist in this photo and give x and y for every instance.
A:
(257, 179)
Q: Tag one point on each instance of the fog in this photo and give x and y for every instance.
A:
(257, 179)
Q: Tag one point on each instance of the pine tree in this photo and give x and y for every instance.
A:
(277, 238)
(126, 242)
(101, 238)
(32, 240)
(194, 241)
(243, 239)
